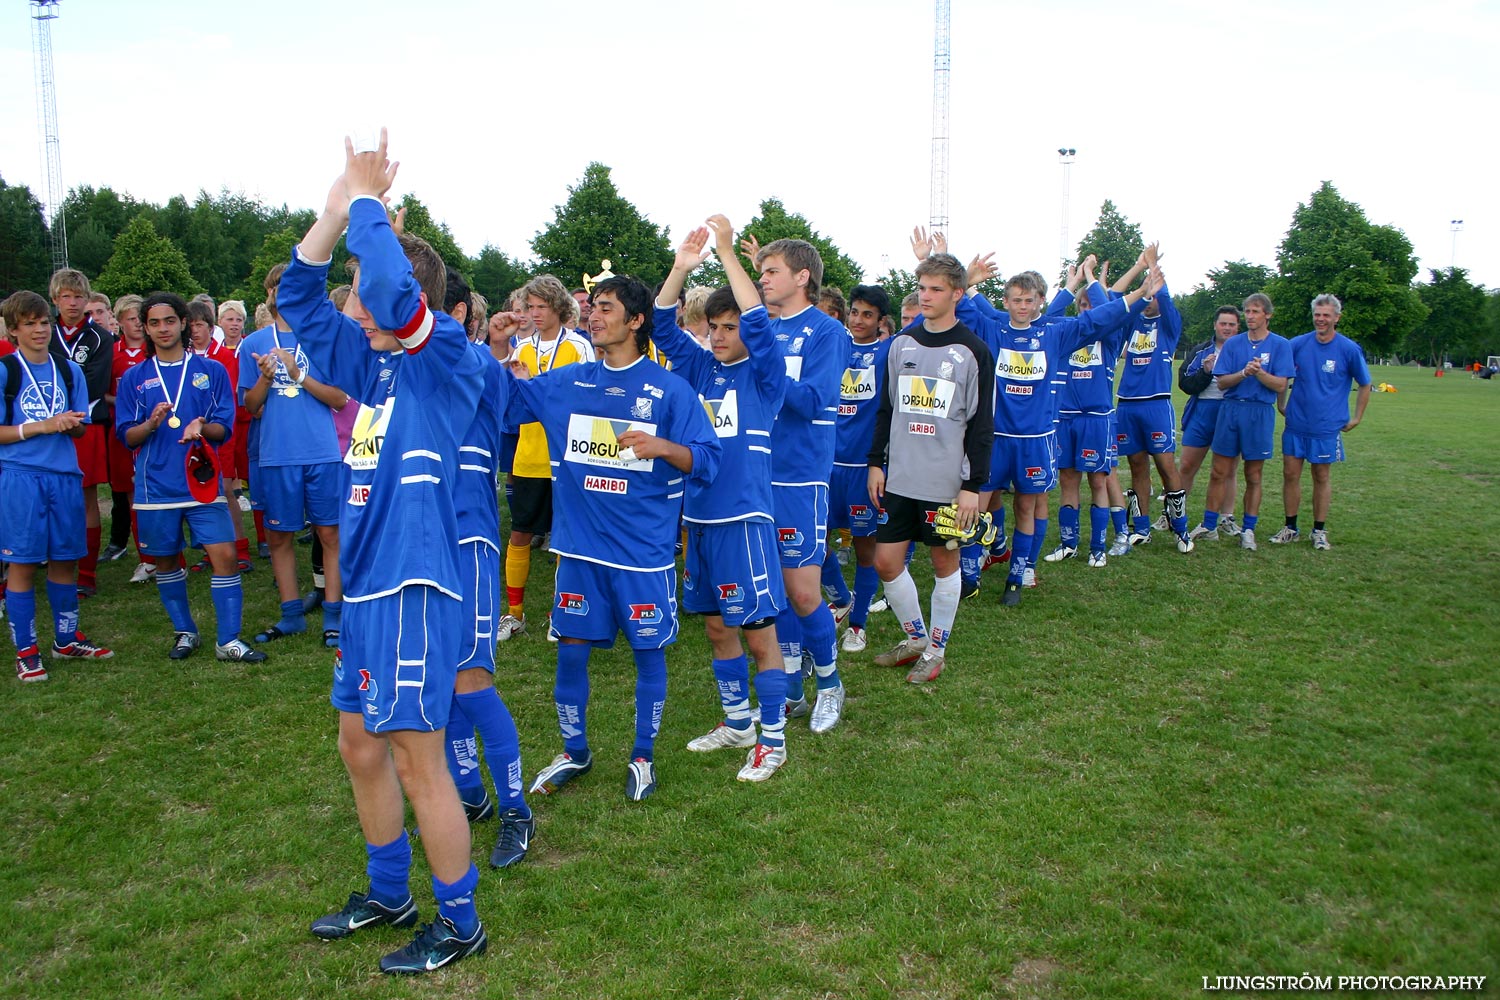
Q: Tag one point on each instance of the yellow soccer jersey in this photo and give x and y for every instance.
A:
(542, 356)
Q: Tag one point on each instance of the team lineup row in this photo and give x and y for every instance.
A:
(784, 427)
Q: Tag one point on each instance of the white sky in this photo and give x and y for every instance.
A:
(1205, 122)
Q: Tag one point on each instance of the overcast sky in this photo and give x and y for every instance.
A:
(1207, 123)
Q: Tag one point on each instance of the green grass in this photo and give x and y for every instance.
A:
(1229, 763)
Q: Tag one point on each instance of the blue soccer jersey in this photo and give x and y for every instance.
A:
(1149, 351)
(1275, 354)
(1090, 375)
(860, 393)
(815, 346)
(478, 505)
(42, 394)
(613, 508)
(196, 387)
(398, 525)
(298, 428)
(1318, 405)
(741, 398)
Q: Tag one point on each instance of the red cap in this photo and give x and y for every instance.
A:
(202, 468)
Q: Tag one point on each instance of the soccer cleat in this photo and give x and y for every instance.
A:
(562, 770)
(808, 668)
(80, 649)
(854, 640)
(1011, 597)
(1139, 537)
(263, 550)
(516, 832)
(1161, 523)
(904, 652)
(927, 668)
(1121, 547)
(1247, 539)
(312, 600)
(1200, 533)
(360, 912)
(1098, 560)
(827, 710)
(553, 635)
(967, 588)
(200, 565)
(840, 614)
(723, 737)
(1029, 579)
(85, 591)
(237, 651)
(29, 665)
(1320, 540)
(1184, 544)
(763, 762)
(437, 944)
(640, 779)
(798, 709)
(244, 503)
(112, 553)
(1228, 527)
(1286, 535)
(478, 812)
(508, 626)
(183, 645)
(879, 604)
(1060, 553)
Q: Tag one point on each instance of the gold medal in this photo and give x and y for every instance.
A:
(174, 423)
(291, 392)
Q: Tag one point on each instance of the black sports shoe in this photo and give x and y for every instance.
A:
(478, 812)
(361, 911)
(112, 553)
(967, 588)
(515, 838)
(1012, 594)
(437, 944)
(183, 645)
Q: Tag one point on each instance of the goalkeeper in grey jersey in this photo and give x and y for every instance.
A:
(934, 431)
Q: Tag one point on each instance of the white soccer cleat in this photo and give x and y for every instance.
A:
(1286, 536)
(1029, 577)
(1320, 540)
(1184, 544)
(879, 604)
(1060, 553)
(1228, 527)
(723, 737)
(763, 762)
(1121, 547)
(1161, 523)
(1098, 560)
(509, 626)
(927, 668)
(840, 614)
(854, 640)
(904, 652)
(1247, 539)
(144, 572)
(1202, 534)
(827, 710)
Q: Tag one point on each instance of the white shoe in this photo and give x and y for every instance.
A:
(840, 614)
(1286, 536)
(723, 737)
(1161, 523)
(508, 626)
(143, 573)
(244, 502)
(763, 762)
(927, 669)
(1200, 533)
(1029, 577)
(1098, 560)
(904, 652)
(552, 633)
(854, 640)
(1247, 539)
(1184, 544)
(1121, 547)
(827, 710)
(879, 604)
(1228, 528)
(1320, 540)
(1060, 553)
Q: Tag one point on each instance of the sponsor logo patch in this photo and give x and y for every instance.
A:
(573, 604)
(920, 428)
(604, 484)
(731, 592)
(359, 494)
(645, 613)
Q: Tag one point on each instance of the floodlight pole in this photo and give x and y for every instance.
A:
(43, 13)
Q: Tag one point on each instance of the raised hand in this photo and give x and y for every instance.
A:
(723, 232)
(398, 224)
(368, 173)
(691, 252)
(750, 247)
(939, 242)
(921, 245)
(982, 268)
(504, 325)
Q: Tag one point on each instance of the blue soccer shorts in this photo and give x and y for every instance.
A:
(1199, 422)
(594, 602)
(1147, 425)
(849, 501)
(1023, 464)
(295, 495)
(1245, 430)
(397, 659)
(801, 524)
(161, 529)
(733, 571)
(1317, 450)
(479, 563)
(41, 516)
(1086, 442)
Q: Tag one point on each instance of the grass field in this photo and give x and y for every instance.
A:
(1229, 763)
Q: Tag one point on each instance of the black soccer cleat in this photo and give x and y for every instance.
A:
(1011, 597)
(437, 944)
(360, 912)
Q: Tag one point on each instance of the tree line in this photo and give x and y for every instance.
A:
(224, 244)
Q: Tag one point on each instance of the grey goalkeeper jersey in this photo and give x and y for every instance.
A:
(936, 424)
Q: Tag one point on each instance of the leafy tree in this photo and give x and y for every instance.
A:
(1455, 320)
(25, 260)
(775, 223)
(419, 222)
(1226, 286)
(206, 243)
(1488, 341)
(1114, 238)
(496, 275)
(1332, 247)
(898, 284)
(275, 249)
(144, 261)
(95, 217)
(596, 224)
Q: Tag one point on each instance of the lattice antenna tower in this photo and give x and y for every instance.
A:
(43, 13)
(1065, 156)
(942, 59)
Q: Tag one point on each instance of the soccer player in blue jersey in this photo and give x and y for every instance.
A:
(849, 491)
(299, 471)
(41, 502)
(418, 382)
(732, 576)
(1252, 368)
(1199, 380)
(627, 438)
(1325, 366)
(164, 408)
(815, 347)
